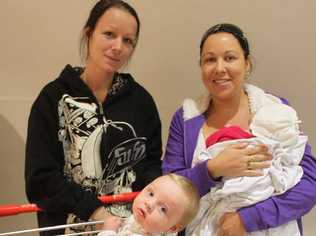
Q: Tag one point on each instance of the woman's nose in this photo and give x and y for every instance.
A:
(117, 45)
(220, 66)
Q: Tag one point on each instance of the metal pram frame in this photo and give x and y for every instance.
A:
(14, 209)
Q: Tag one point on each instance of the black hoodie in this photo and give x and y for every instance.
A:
(78, 148)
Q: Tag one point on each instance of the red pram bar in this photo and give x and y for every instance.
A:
(14, 209)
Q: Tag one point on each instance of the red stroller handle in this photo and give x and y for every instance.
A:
(14, 209)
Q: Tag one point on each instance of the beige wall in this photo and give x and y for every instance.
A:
(38, 37)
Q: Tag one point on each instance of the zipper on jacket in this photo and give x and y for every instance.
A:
(106, 122)
(102, 117)
(101, 109)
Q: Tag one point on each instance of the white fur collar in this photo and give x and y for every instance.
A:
(257, 98)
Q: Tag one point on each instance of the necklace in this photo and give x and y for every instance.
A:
(244, 112)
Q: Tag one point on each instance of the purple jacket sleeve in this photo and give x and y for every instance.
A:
(176, 159)
(291, 205)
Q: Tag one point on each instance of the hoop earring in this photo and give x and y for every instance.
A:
(247, 75)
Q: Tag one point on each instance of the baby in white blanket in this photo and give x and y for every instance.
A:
(275, 125)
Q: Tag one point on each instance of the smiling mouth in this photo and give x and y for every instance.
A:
(221, 81)
(113, 59)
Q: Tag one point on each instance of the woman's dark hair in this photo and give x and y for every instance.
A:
(228, 28)
(95, 14)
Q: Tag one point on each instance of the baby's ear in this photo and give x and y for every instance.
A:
(175, 228)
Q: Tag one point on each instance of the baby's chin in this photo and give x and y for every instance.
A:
(142, 225)
(141, 221)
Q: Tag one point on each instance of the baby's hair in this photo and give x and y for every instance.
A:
(192, 195)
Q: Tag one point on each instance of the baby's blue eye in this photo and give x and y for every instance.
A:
(163, 210)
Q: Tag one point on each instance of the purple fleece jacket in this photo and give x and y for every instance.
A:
(273, 212)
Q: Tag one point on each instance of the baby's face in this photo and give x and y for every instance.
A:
(160, 206)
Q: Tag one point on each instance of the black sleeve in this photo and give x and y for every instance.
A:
(150, 167)
(45, 182)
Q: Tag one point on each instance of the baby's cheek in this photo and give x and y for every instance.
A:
(158, 225)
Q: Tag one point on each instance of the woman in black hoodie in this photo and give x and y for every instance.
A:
(93, 131)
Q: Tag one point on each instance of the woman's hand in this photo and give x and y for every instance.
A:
(240, 160)
(230, 224)
(110, 222)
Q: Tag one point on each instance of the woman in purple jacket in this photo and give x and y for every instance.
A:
(225, 64)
